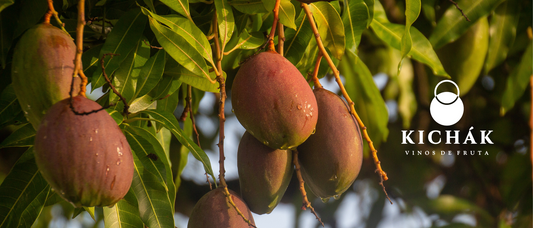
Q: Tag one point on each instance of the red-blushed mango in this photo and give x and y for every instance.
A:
(272, 100)
(85, 158)
(43, 64)
(214, 211)
(264, 174)
(332, 157)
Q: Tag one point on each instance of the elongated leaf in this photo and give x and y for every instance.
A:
(370, 5)
(9, 105)
(121, 40)
(412, 10)
(364, 93)
(192, 79)
(517, 81)
(422, 50)
(151, 74)
(29, 16)
(141, 103)
(452, 24)
(22, 137)
(287, 13)
(248, 6)
(297, 41)
(168, 85)
(155, 207)
(330, 27)
(187, 30)
(7, 27)
(355, 19)
(123, 214)
(170, 122)
(91, 60)
(502, 33)
(225, 20)
(125, 80)
(23, 193)
(170, 103)
(180, 6)
(428, 7)
(247, 41)
(179, 49)
(149, 139)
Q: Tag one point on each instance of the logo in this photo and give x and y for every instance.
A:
(446, 108)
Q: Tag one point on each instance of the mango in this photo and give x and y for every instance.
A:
(264, 174)
(332, 157)
(273, 102)
(85, 158)
(43, 64)
(214, 211)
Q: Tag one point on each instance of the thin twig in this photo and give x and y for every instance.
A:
(281, 38)
(230, 201)
(322, 49)
(154, 47)
(208, 181)
(126, 106)
(79, 49)
(52, 11)
(221, 116)
(270, 40)
(315, 71)
(305, 203)
(457, 6)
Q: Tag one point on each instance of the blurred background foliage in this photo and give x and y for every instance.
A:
(489, 58)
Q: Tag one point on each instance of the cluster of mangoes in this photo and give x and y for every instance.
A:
(84, 157)
(281, 113)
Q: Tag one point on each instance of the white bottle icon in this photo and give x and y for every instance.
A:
(446, 108)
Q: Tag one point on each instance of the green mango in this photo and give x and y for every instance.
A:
(264, 174)
(43, 64)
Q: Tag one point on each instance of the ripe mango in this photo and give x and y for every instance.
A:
(272, 100)
(264, 174)
(332, 157)
(43, 64)
(85, 158)
(214, 211)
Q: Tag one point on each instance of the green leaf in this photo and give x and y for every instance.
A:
(90, 60)
(7, 27)
(154, 204)
(330, 27)
(297, 41)
(141, 103)
(29, 15)
(287, 13)
(22, 137)
(428, 7)
(180, 6)
(225, 20)
(121, 40)
(370, 5)
(452, 24)
(170, 103)
(412, 10)
(123, 214)
(171, 123)
(249, 6)
(179, 49)
(246, 41)
(9, 105)
(368, 101)
(188, 31)
(5, 3)
(143, 149)
(23, 193)
(161, 162)
(502, 33)
(448, 204)
(151, 74)
(422, 50)
(463, 59)
(168, 85)
(116, 115)
(192, 79)
(126, 76)
(517, 81)
(355, 20)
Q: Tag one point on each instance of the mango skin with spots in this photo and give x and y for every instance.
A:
(85, 158)
(43, 64)
(331, 158)
(213, 210)
(273, 101)
(264, 174)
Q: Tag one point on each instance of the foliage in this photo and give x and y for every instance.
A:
(162, 47)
